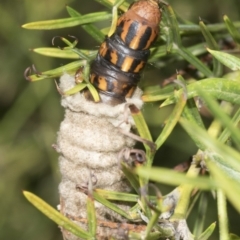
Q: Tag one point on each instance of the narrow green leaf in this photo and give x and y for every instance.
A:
(171, 177)
(233, 76)
(198, 49)
(217, 66)
(167, 31)
(193, 202)
(161, 51)
(57, 72)
(134, 211)
(94, 92)
(208, 36)
(68, 22)
(217, 112)
(234, 32)
(141, 124)
(112, 29)
(81, 54)
(169, 40)
(226, 158)
(56, 216)
(174, 26)
(201, 214)
(164, 232)
(65, 54)
(172, 121)
(156, 93)
(110, 4)
(105, 31)
(157, 53)
(208, 232)
(79, 87)
(110, 205)
(117, 196)
(91, 216)
(70, 44)
(145, 135)
(191, 113)
(229, 186)
(89, 28)
(188, 56)
(226, 133)
(132, 178)
(220, 88)
(213, 28)
(151, 224)
(226, 59)
(72, 12)
(183, 52)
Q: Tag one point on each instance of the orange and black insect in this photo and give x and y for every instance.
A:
(121, 58)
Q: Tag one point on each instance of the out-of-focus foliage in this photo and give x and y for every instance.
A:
(30, 113)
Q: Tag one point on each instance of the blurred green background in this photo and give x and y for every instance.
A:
(30, 113)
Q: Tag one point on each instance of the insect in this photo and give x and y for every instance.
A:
(91, 136)
(121, 58)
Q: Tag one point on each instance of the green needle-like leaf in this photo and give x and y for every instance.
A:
(232, 29)
(172, 121)
(163, 175)
(224, 157)
(192, 114)
(115, 17)
(57, 72)
(89, 28)
(110, 4)
(91, 215)
(157, 53)
(117, 196)
(94, 92)
(226, 133)
(132, 178)
(56, 216)
(65, 54)
(174, 26)
(72, 12)
(140, 123)
(217, 66)
(156, 93)
(183, 52)
(79, 87)
(68, 22)
(208, 36)
(216, 27)
(70, 44)
(144, 132)
(110, 205)
(208, 232)
(188, 56)
(229, 186)
(216, 110)
(226, 59)
(152, 222)
(220, 88)
(200, 215)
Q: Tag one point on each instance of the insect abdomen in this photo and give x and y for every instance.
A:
(138, 27)
(121, 57)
